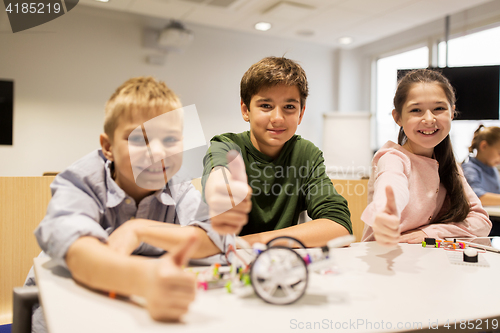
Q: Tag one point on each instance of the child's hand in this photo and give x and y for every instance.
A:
(171, 290)
(228, 196)
(125, 239)
(415, 236)
(386, 226)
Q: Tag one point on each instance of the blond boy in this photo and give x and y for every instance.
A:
(126, 198)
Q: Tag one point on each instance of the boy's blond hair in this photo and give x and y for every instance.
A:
(272, 71)
(139, 95)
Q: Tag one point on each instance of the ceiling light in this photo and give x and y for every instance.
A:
(345, 40)
(263, 26)
(102, 0)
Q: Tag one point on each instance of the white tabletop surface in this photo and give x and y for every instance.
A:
(377, 290)
(492, 210)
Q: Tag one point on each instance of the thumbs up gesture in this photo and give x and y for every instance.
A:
(228, 195)
(170, 289)
(386, 225)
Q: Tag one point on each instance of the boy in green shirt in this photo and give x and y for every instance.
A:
(283, 174)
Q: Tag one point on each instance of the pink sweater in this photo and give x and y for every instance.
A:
(415, 180)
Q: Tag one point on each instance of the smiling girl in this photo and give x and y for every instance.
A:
(416, 189)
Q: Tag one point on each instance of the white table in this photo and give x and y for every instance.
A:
(492, 210)
(385, 287)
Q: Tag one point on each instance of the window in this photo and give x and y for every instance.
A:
(477, 49)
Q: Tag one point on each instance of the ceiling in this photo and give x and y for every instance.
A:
(318, 21)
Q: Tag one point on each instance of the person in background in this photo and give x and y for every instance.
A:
(416, 189)
(481, 172)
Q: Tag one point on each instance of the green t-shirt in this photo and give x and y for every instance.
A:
(282, 188)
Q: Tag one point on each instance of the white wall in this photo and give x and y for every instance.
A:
(65, 70)
(350, 76)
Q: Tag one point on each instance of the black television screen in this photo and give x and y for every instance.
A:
(477, 90)
(6, 111)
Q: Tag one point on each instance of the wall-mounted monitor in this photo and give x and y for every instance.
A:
(6, 111)
(477, 90)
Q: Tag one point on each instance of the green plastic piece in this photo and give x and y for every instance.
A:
(246, 280)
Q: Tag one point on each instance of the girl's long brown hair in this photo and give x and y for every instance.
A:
(448, 170)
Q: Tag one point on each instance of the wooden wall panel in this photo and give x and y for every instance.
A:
(23, 203)
(356, 194)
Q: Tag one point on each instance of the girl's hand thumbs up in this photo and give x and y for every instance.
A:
(386, 226)
(390, 206)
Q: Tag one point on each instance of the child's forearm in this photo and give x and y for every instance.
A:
(95, 265)
(490, 199)
(168, 236)
(314, 233)
(166, 288)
